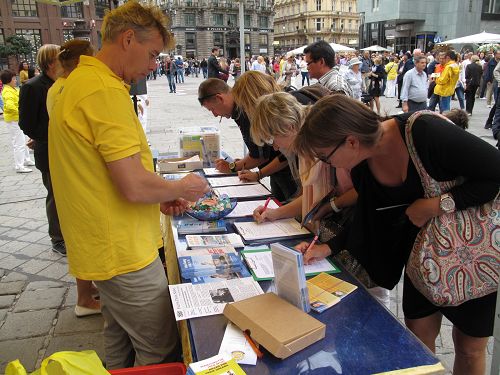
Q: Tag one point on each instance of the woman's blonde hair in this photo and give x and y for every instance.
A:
(331, 120)
(47, 55)
(250, 87)
(277, 114)
(140, 18)
(70, 53)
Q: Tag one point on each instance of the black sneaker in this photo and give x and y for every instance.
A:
(488, 125)
(60, 248)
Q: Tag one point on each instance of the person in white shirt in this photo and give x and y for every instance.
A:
(259, 64)
(304, 72)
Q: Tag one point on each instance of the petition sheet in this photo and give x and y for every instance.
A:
(228, 181)
(271, 229)
(193, 301)
(243, 191)
(246, 208)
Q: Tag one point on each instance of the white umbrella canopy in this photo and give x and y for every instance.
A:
(374, 48)
(480, 38)
(336, 47)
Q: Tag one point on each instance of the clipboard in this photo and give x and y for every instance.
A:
(251, 267)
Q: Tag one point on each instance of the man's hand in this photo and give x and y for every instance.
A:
(30, 144)
(422, 210)
(174, 208)
(405, 107)
(222, 166)
(194, 187)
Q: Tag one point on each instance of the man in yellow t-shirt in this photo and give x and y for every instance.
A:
(107, 193)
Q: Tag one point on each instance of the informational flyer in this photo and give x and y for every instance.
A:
(237, 346)
(192, 301)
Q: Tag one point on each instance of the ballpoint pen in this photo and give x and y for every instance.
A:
(266, 204)
(253, 345)
(312, 243)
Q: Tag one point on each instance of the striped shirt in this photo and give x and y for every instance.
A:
(333, 81)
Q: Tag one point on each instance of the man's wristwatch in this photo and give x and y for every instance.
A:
(334, 206)
(446, 203)
(232, 166)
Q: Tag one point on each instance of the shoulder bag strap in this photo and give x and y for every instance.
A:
(432, 188)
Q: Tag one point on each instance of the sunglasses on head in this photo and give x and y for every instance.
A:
(203, 98)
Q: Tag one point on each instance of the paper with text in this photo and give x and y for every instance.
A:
(236, 345)
(246, 208)
(271, 229)
(243, 191)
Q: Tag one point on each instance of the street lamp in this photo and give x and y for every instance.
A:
(283, 47)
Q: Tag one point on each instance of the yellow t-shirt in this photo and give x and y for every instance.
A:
(54, 90)
(10, 97)
(91, 123)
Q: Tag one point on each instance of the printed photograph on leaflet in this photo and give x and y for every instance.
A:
(204, 265)
(227, 275)
(220, 364)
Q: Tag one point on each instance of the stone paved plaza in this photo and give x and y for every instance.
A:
(37, 295)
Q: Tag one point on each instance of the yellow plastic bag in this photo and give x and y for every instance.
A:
(85, 362)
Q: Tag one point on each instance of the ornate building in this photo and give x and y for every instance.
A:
(199, 25)
(43, 23)
(301, 22)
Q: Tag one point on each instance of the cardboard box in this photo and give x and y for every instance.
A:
(275, 324)
(179, 164)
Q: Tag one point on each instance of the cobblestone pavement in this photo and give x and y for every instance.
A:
(37, 295)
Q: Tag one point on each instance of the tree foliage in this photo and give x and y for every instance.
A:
(16, 45)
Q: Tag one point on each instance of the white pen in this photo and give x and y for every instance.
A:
(390, 207)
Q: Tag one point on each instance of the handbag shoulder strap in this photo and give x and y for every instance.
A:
(432, 188)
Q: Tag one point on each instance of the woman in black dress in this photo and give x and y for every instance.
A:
(376, 76)
(344, 133)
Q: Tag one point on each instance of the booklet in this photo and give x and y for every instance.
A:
(278, 230)
(260, 264)
(247, 208)
(220, 364)
(192, 226)
(229, 181)
(206, 251)
(237, 346)
(290, 277)
(326, 290)
(204, 265)
(215, 277)
(206, 240)
(243, 191)
(192, 301)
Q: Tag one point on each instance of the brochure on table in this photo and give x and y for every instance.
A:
(260, 264)
(326, 291)
(290, 278)
(237, 346)
(192, 301)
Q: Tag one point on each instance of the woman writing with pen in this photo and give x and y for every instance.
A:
(277, 120)
(391, 206)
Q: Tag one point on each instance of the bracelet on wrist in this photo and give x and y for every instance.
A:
(334, 206)
(259, 176)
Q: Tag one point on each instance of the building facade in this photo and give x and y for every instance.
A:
(301, 22)
(200, 25)
(407, 24)
(43, 23)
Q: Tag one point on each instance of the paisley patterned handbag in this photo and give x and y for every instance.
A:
(455, 257)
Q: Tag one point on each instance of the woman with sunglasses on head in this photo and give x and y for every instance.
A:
(391, 207)
(277, 119)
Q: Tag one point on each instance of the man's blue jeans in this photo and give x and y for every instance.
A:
(171, 82)
(180, 74)
(444, 103)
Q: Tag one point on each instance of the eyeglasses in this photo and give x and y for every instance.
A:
(325, 159)
(203, 98)
(310, 62)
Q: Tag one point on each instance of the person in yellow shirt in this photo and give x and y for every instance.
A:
(10, 97)
(392, 73)
(23, 72)
(69, 56)
(447, 81)
(107, 193)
